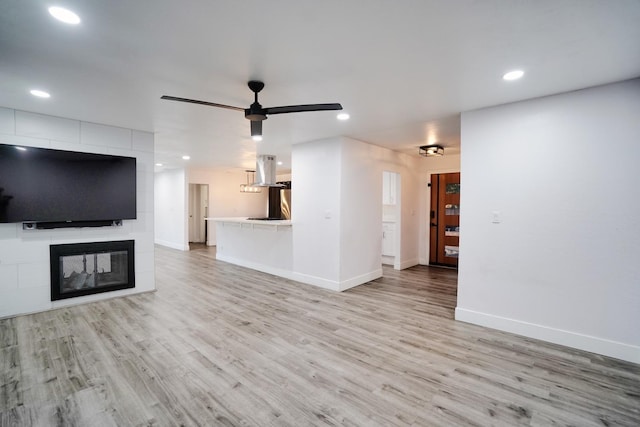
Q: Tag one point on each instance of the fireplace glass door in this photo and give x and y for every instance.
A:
(89, 268)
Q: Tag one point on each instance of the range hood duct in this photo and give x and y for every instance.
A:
(266, 171)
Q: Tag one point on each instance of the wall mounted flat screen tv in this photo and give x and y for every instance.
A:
(45, 185)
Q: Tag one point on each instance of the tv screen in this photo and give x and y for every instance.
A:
(44, 185)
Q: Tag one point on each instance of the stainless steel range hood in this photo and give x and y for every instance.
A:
(266, 171)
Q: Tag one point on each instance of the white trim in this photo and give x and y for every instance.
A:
(172, 245)
(359, 280)
(405, 264)
(320, 282)
(316, 281)
(256, 266)
(593, 344)
(387, 260)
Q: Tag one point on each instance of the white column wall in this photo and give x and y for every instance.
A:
(337, 211)
(315, 212)
(24, 254)
(360, 213)
(409, 211)
(171, 207)
(562, 265)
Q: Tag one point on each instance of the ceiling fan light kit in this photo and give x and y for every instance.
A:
(256, 114)
(432, 150)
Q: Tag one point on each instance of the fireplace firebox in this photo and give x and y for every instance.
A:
(80, 269)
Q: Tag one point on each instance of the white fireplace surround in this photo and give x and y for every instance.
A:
(24, 254)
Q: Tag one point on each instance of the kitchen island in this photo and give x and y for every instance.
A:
(263, 245)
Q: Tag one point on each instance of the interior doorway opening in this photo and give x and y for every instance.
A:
(198, 211)
(444, 220)
(391, 184)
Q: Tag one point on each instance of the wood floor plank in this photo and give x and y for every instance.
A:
(219, 344)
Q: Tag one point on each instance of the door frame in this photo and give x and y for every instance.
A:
(427, 230)
(200, 190)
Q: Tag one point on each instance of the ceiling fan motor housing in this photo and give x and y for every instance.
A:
(255, 113)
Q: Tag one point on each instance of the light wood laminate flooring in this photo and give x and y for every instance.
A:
(219, 344)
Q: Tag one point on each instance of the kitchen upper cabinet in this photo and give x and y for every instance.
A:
(389, 188)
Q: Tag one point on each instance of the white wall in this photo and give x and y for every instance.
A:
(171, 190)
(409, 210)
(562, 265)
(337, 211)
(24, 255)
(360, 213)
(315, 211)
(225, 198)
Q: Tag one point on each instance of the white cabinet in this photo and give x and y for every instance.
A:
(389, 188)
(388, 239)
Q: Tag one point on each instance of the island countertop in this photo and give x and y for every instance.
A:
(245, 220)
(264, 245)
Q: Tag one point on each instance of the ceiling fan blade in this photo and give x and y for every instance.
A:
(302, 108)
(256, 128)
(195, 101)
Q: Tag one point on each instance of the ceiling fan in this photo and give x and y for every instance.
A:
(256, 113)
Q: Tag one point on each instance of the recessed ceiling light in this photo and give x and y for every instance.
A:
(257, 138)
(21, 149)
(279, 163)
(158, 164)
(64, 15)
(186, 157)
(343, 116)
(39, 93)
(513, 75)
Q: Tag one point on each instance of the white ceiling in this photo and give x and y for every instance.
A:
(403, 69)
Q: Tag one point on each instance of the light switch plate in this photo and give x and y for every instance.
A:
(496, 217)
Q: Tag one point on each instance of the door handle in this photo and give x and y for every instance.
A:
(433, 224)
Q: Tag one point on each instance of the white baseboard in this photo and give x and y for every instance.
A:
(359, 280)
(335, 285)
(320, 282)
(172, 245)
(593, 344)
(401, 265)
(287, 274)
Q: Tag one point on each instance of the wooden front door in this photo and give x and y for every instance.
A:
(444, 219)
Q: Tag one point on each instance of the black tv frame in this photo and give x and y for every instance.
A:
(44, 224)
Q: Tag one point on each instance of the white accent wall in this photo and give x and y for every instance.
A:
(337, 211)
(563, 264)
(24, 254)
